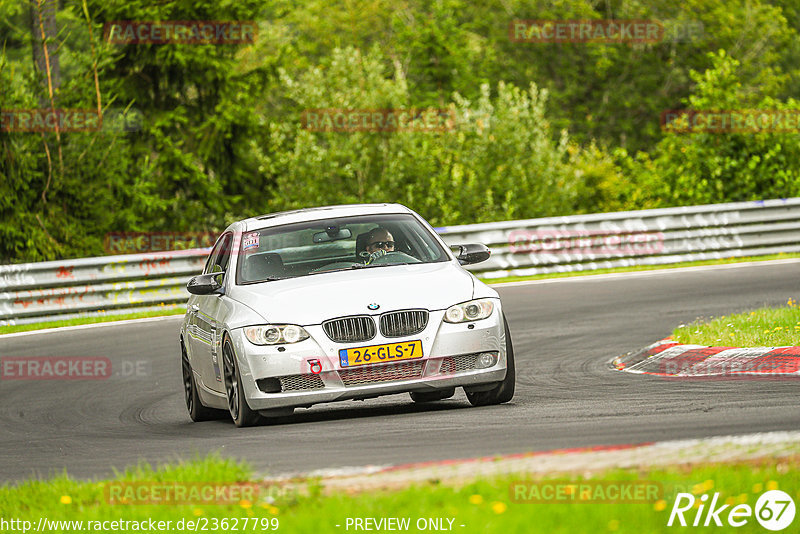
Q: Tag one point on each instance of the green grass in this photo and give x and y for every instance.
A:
(90, 320)
(765, 327)
(481, 505)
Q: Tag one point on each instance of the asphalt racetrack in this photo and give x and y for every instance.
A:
(565, 332)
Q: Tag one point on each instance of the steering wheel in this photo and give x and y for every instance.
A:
(387, 259)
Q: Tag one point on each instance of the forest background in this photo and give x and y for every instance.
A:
(196, 136)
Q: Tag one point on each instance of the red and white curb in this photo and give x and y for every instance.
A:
(669, 358)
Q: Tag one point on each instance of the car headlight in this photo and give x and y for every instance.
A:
(469, 311)
(275, 334)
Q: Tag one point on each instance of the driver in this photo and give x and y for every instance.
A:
(379, 242)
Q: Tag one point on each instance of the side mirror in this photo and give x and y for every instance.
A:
(205, 284)
(472, 253)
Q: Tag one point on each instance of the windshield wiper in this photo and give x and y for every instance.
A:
(350, 268)
(390, 264)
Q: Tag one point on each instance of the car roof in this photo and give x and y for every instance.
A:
(320, 213)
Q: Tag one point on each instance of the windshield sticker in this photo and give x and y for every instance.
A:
(250, 242)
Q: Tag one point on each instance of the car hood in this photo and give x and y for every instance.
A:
(316, 298)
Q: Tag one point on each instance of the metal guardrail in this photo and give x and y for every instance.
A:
(647, 237)
(55, 290)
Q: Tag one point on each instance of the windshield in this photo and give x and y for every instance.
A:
(344, 243)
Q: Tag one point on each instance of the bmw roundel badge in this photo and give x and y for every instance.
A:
(373, 306)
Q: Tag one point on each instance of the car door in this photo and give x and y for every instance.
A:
(195, 345)
(207, 359)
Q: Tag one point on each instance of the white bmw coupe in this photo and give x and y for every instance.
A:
(334, 303)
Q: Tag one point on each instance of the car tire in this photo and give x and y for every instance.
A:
(197, 410)
(504, 391)
(239, 410)
(431, 396)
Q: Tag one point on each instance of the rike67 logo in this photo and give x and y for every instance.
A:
(774, 510)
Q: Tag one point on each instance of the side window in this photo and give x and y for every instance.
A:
(210, 260)
(221, 261)
(220, 257)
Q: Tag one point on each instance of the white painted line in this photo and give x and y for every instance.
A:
(650, 272)
(91, 325)
(756, 438)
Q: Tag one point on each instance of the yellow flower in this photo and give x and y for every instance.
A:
(197, 512)
(772, 485)
(708, 484)
(499, 507)
(475, 499)
(613, 524)
(244, 503)
(757, 487)
(660, 505)
(66, 499)
(697, 489)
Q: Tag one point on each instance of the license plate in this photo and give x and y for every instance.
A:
(391, 352)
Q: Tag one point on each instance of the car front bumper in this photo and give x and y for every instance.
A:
(450, 354)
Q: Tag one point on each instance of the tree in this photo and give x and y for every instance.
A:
(710, 167)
